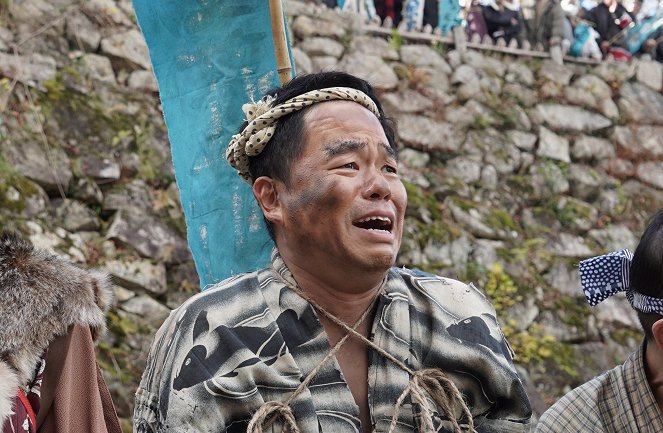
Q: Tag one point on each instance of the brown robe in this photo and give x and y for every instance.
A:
(74, 396)
(48, 304)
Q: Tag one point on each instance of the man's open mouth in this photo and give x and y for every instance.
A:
(380, 223)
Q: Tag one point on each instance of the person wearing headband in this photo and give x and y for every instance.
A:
(330, 337)
(628, 398)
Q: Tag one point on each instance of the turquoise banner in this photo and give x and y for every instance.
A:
(209, 58)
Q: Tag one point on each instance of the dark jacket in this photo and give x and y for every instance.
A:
(499, 23)
(606, 22)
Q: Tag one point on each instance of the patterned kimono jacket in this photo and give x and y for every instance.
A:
(618, 401)
(252, 339)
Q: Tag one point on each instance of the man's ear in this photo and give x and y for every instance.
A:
(657, 332)
(266, 193)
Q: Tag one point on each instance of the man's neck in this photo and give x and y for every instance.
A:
(345, 297)
(654, 371)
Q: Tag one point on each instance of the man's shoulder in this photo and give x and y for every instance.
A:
(577, 410)
(225, 294)
(443, 291)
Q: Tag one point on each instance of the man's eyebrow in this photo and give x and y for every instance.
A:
(344, 146)
(390, 150)
(347, 146)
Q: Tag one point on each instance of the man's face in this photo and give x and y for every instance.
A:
(345, 203)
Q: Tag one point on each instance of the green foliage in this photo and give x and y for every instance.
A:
(396, 40)
(572, 312)
(119, 326)
(501, 220)
(463, 203)
(126, 424)
(436, 231)
(89, 120)
(626, 336)
(5, 83)
(346, 40)
(533, 348)
(117, 358)
(523, 252)
(536, 350)
(521, 183)
(480, 122)
(419, 198)
(430, 226)
(10, 178)
(549, 169)
(507, 118)
(567, 212)
(4, 12)
(440, 47)
(501, 289)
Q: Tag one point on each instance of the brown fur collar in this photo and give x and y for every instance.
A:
(41, 295)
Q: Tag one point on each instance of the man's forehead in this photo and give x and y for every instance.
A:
(329, 109)
(352, 123)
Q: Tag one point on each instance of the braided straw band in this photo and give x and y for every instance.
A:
(263, 119)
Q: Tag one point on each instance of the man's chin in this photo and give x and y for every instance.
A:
(380, 262)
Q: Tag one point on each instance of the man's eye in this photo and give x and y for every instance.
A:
(351, 165)
(390, 169)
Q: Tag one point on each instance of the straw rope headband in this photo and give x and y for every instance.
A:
(604, 276)
(262, 118)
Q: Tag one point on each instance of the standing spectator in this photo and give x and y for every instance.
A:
(647, 35)
(503, 19)
(365, 8)
(389, 8)
(547, 25)
(610, 19)
(418, 13)
(431, 13)
(476, 24)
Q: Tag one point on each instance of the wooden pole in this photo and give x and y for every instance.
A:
(280, 42)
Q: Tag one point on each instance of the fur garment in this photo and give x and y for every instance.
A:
(41, 295)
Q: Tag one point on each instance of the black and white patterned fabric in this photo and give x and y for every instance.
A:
(251, 339)
(645, 303)
(604, 276)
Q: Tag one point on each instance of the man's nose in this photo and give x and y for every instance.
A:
(376, 186)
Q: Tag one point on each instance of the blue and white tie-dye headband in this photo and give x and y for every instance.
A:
(604, 276)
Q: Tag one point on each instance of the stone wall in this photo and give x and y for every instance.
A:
(516, 169)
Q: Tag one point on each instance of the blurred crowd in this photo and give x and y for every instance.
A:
(620, 29)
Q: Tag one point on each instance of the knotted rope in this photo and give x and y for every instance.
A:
(432, 381)
(271, 410)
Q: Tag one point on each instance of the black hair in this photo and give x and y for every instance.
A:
(287, 143)
(646, 274)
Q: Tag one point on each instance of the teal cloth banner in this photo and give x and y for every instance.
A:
(209, 58)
